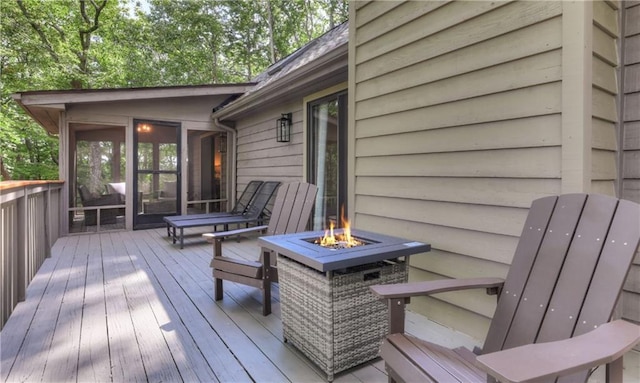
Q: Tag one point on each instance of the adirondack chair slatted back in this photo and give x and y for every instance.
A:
(245, 198)
(291, 212)
(261, 199)
(292, 208)
(570, 264)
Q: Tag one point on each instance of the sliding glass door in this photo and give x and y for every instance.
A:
(327, 157)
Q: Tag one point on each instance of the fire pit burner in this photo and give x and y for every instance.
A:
(341, 244)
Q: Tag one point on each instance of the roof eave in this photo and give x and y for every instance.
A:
(47, 115)
(45, 106)
(279, 88)
(128, 94)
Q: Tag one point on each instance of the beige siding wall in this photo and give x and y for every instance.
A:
(193, 112)
(459, 124)
(606, 31)
(457, 129)
(260, 157)
(630, 122)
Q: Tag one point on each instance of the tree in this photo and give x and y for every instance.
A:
(69, 44)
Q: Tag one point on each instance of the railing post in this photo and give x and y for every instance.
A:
(22, 246)
(47, 222)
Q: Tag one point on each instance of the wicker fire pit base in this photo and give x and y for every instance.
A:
(332, 317)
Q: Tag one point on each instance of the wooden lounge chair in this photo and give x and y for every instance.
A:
(240, 207)
(291, 212)
(553, 313)
(255, 213)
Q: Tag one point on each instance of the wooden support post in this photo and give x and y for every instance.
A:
(266, 282)
(396, 314)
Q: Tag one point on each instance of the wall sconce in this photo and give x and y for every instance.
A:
(222, 143)
(283, 128)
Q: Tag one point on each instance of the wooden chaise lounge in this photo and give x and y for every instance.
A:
(256, 213)
(552, 319)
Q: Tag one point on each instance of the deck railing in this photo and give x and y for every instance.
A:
(30, 215)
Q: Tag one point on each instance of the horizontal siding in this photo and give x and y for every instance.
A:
(630, 306)
(534, 39)
(396, 14)
(260, 157)
(446, 264)
(368, 12)
(604, 76)
(604, 135)
(428, 37)
(457, 129)
(523, 73)
(605, 17)
(518, 133)
(604, 102)
(509, 192)
(631, 142)
(604, 105)
(603, 47)
(507, 163)
(485, 246)
(631, 135)
(483, 218)
(541, 100)
(607, 187)
(448, 314)
(632, 78)
(631, 189)
(631, 160)
(421, 29)
(603, 165)
(632, 49)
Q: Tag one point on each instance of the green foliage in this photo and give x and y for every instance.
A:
(66, 44)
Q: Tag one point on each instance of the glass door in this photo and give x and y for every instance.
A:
(206, 171)
(327, 158)
(156, 172)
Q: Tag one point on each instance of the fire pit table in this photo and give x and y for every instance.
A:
(328, 312)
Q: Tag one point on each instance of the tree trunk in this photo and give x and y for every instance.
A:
(95, 166)
(272, 49)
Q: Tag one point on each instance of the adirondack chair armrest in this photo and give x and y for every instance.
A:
(541, 361)
(211, 237)
(398, 295)
(407, 290)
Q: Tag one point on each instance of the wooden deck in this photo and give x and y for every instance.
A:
(130, 306)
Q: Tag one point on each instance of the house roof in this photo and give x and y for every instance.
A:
(317, 60)
(45, 106)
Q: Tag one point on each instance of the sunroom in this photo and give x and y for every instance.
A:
(133, 156)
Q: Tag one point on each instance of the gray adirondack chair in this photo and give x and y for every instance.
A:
(554, 308)
(291, 212)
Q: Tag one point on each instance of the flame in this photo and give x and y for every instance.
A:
(344, 240)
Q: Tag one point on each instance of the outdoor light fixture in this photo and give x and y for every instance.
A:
(222, 145)
(144, 128)
(283, 128)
